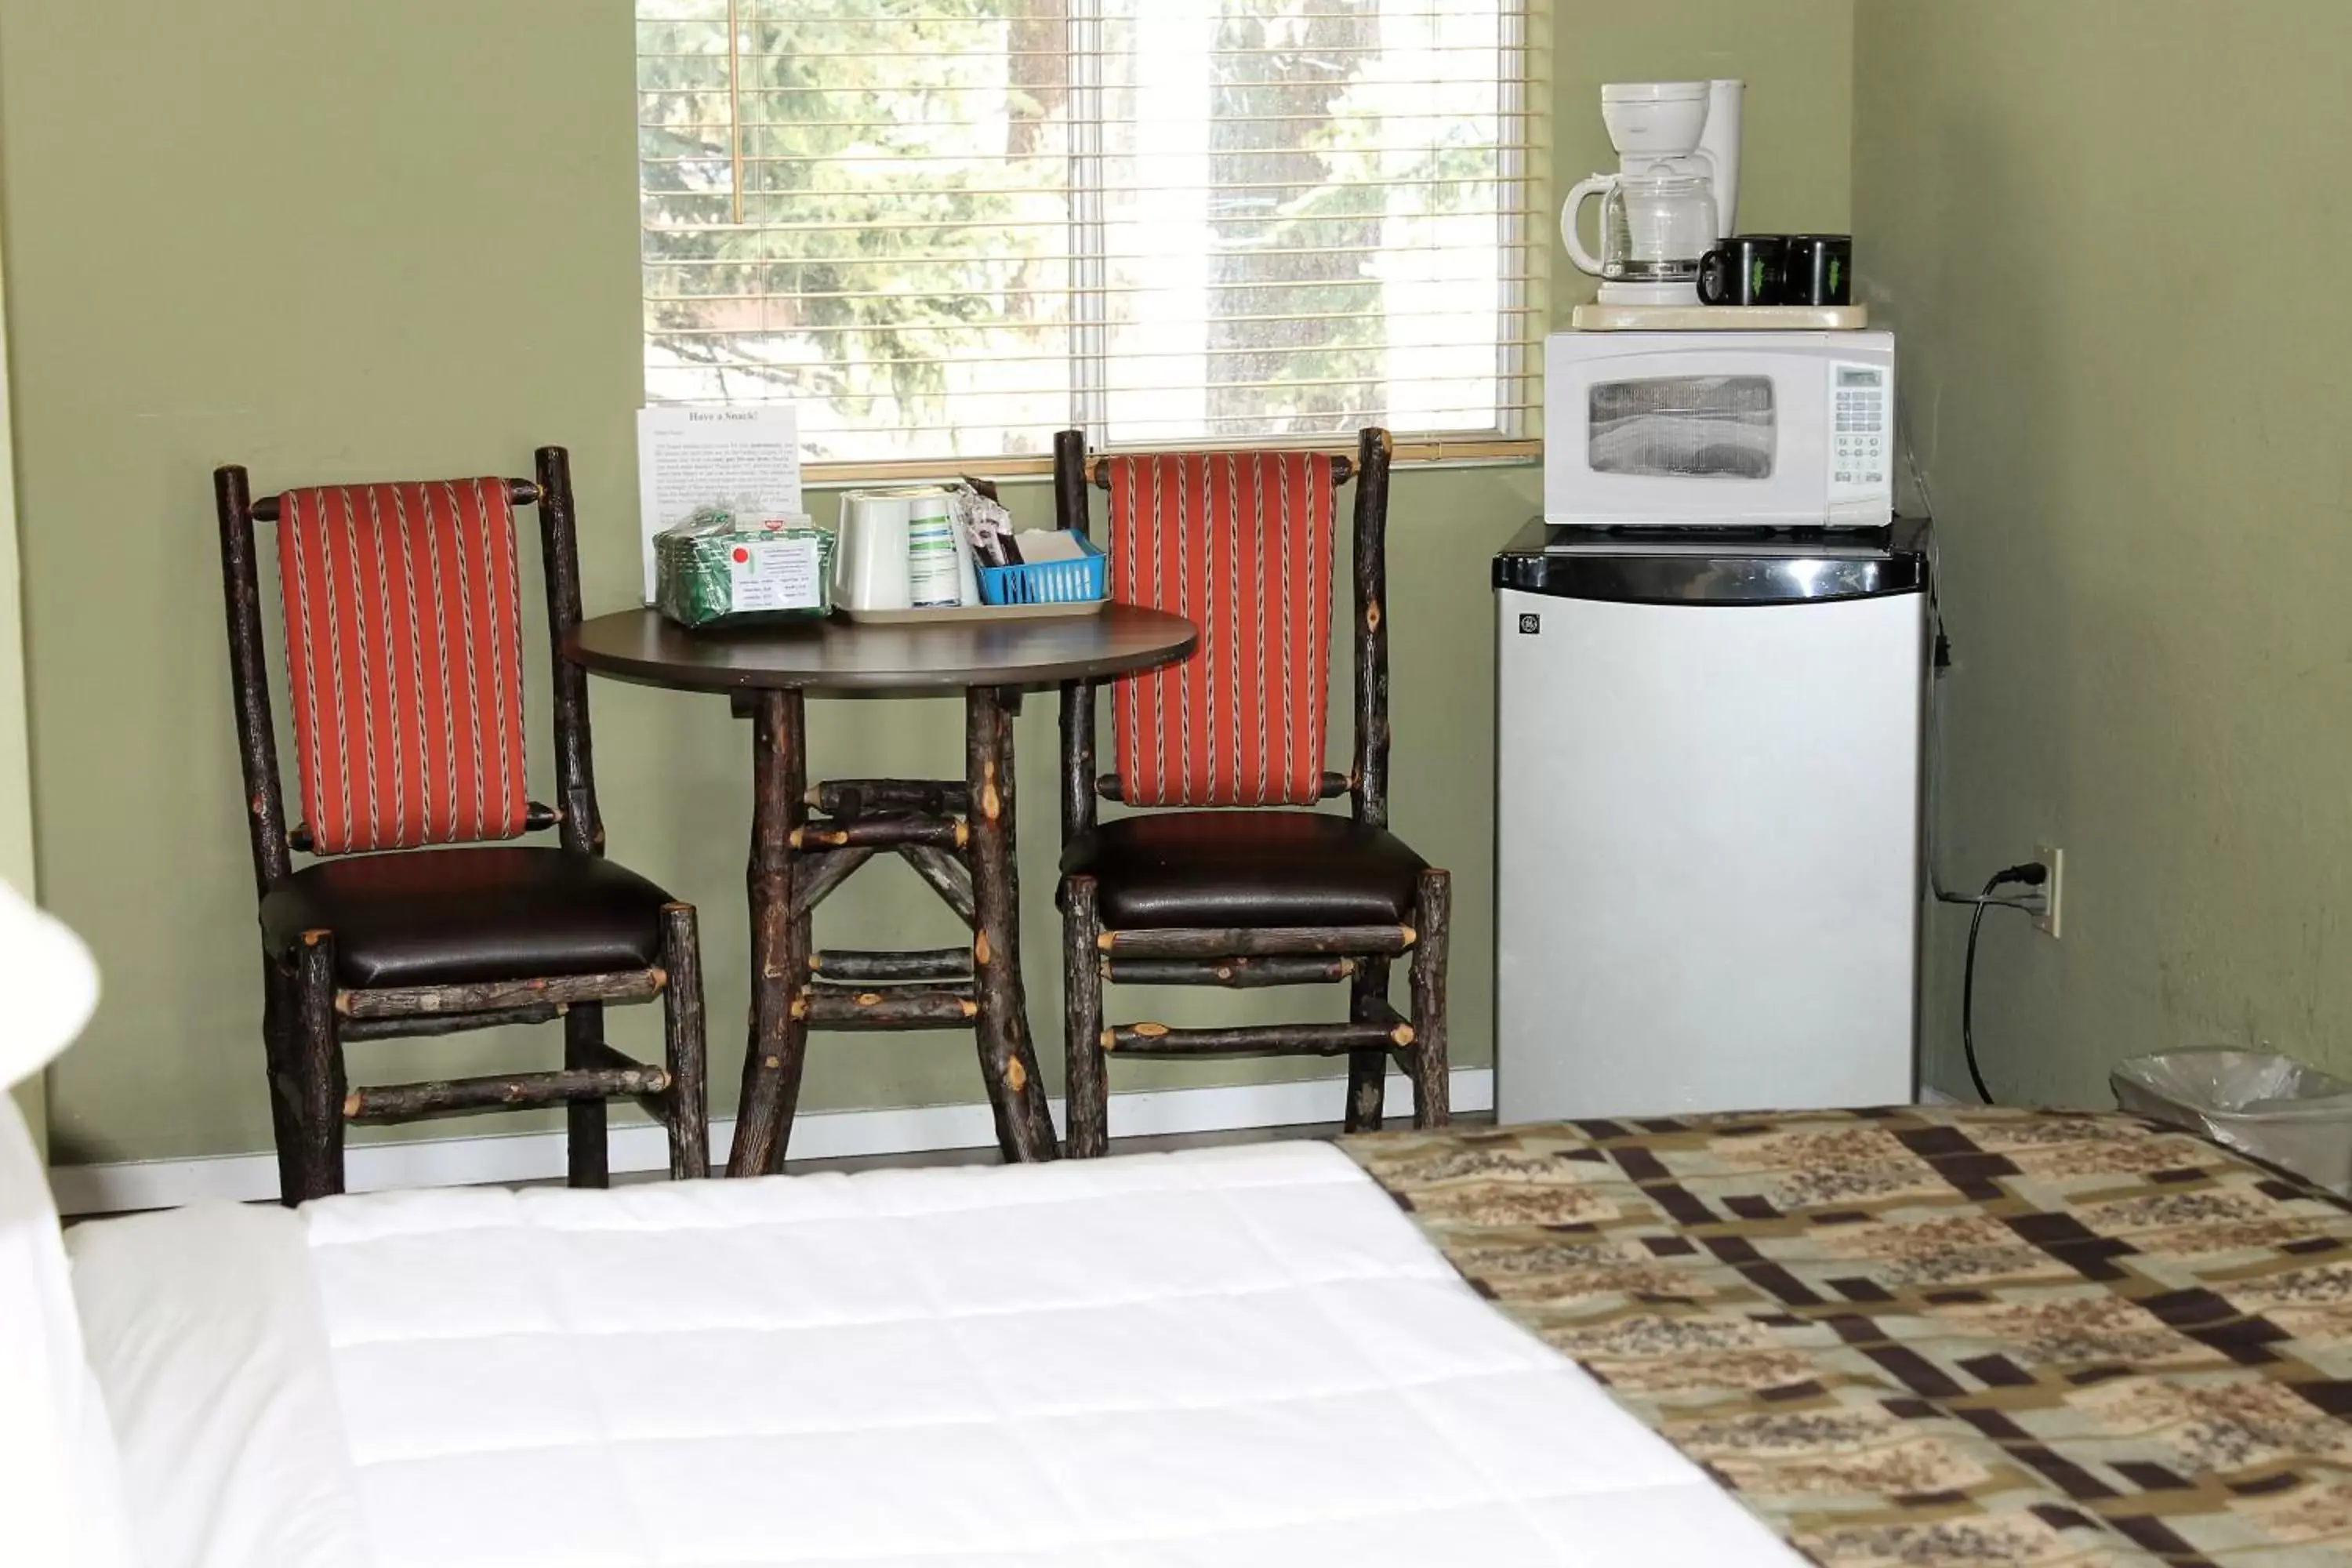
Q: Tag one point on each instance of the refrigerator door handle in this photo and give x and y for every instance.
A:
(1700, 579)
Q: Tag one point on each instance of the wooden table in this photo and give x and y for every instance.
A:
(958, 837)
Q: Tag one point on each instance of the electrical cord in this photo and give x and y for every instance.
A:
(1932, 763)
(1911, 456)
(2031, 874)
(1939, 660)
(1980, 900)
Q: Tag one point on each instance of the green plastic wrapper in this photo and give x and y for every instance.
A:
(714, 571)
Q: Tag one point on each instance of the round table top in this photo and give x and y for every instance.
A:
(843, 656)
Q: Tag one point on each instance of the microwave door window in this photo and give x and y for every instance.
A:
(1684, 428)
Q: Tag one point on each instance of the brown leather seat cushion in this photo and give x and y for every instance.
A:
(1244, 868)
(445, 917)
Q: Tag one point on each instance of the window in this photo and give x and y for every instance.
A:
(945, 230)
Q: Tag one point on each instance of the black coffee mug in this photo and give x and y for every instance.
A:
(1744, 271)
(1819, 269)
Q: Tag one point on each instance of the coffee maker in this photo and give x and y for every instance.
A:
(1674, 193)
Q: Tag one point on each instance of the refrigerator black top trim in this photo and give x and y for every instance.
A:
(1704, 567)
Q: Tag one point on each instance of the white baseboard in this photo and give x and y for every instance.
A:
(817, 1135)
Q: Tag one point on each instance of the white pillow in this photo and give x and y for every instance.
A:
(204, 1327)
(60, 1485)
(48, 985)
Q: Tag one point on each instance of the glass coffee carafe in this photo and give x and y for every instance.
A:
(1655, 228)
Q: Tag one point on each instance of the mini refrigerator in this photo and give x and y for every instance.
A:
(1708, 820)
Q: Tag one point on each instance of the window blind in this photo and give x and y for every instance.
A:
(945, 230)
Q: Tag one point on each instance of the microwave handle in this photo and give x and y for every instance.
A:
(1597, 185)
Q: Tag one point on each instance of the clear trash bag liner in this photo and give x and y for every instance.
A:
(2267, 1105)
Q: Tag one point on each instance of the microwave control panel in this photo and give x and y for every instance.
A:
(1861, 444)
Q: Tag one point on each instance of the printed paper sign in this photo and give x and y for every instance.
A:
(690, 456)
(774, 574)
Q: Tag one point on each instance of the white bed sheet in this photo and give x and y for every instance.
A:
(1232, 1357)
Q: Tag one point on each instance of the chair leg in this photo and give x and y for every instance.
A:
(1431, 1080)
(279, 1054)
(318, 1073)
(588, 1156)
(1088, 1132)
(687, 1109)
(1368, 1071)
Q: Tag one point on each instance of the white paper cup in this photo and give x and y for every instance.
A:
(870, 573)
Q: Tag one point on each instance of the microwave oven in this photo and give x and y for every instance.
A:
(1719, 430)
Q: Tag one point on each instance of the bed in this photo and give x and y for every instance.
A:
(1244, 1357)
(1936, 1334)
(1909, 1336)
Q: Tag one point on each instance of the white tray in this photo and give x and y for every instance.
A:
(953, 613)
(1599, 318)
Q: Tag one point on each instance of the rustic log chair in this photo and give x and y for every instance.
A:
(408, 720)
(1241, 543)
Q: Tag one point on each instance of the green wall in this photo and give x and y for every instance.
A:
(343, 239)
(2107, 233)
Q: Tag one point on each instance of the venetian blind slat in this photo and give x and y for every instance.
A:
(944, 228)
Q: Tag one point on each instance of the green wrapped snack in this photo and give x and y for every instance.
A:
(714, 571)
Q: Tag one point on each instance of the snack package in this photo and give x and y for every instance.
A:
(717, 570)
(987, 526)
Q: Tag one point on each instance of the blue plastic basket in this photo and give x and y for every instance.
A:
(1049, 582)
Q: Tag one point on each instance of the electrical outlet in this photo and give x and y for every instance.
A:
(2052, 887)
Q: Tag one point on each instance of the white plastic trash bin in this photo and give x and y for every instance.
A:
(2273, 1107)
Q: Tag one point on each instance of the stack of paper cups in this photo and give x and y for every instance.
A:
(870, 571)
(933, 579)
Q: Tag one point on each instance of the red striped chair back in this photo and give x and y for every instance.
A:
(403, 656)
(1240, 544)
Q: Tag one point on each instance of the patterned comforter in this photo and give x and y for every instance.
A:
(1936, 1336)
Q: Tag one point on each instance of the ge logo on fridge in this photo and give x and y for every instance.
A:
(1530, 624)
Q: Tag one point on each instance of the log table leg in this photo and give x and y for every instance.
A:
(779, 1041)
(1008, 1065)
(689, 1109)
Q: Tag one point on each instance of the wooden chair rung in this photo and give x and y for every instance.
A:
(1343, 468)
(1331, 786)
(1234, 974)
(605, 1057)
(848, 965)
(848, 798)
(506, 1091)
(519, 492)
(1256, 1039)
(538, 817)
(882, 833)
(490, 995)
(396, 1029)
(887, 1006)
(1230, 942)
